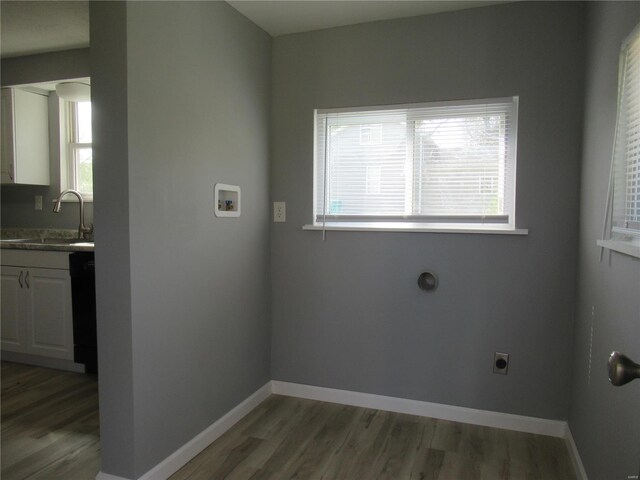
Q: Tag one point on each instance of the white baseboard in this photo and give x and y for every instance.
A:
(193, 447)
(107, 476)
(38, 361)
(180, 457)
(541, 426)
(578, 467)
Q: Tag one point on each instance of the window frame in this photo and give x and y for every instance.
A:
(622, 238)
(68, 148)
(422, 223)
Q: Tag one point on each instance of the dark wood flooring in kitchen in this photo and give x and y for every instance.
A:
(287, 438)
(49, 424)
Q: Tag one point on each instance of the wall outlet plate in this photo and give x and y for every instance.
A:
(38, 202)
(501, 363)
(279, 212)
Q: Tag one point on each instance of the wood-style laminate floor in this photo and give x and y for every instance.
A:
(50, 431)
(49, 424)
(291, 438)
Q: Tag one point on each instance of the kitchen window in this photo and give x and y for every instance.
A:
(433, 166)
(76, 142)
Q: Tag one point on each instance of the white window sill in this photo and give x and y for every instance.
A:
(627, 247)
(417, 228)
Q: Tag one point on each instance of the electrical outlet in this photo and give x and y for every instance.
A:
(279, 212)
(38, 202)
(501, 363)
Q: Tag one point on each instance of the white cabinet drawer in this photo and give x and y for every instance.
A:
(35, 258)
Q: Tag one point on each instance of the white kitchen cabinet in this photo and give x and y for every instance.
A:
(24, 138)
(36, 307)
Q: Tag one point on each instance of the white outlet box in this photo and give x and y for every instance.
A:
(38, 202)
(279, 212)
(227, 200)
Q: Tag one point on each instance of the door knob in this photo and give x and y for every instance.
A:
(622, 369)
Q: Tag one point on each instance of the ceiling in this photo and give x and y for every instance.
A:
(283, 17)
(30, 27)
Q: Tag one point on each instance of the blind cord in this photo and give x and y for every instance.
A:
(324, 183)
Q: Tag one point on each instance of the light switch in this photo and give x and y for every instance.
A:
(38, 202)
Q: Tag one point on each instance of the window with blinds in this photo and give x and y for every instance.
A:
(626, 157)
(76, 150)
(80, 148)
(435, 163)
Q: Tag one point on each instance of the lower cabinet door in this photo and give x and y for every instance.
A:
(48, 313)
(13, 329)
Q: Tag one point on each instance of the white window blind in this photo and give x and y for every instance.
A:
(626, 156)
(447, 162)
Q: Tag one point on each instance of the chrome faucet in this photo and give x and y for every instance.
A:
(83, 231)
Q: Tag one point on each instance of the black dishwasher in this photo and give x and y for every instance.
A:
(82, 268)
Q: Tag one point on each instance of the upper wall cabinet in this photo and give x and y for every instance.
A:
(24, 143)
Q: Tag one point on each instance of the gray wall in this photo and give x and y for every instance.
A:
(197, 87)
(113, 252)
(17, 207)
(604, 420)
(347, 312)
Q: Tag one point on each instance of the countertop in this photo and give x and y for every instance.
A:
(44, 239)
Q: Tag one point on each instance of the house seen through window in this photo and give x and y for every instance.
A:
(441, 163)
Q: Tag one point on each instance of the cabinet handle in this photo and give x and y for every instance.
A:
(20, 279)
(26, 280)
